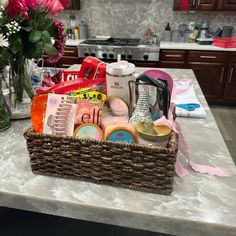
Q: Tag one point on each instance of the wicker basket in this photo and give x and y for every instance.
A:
(138, 167)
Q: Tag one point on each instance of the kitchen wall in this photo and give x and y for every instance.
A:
(130, 18)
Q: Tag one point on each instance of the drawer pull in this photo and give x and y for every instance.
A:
(231, 75)
(68, 51)
(208, 57)
(173, 55)
(222, 75)
(66, 65)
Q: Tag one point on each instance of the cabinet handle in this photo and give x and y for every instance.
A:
(208, 57)
(231, 75)
(173, 55)
(199, 2)
(66, 65)
(222, 75)
(68, 51)
(194, 2)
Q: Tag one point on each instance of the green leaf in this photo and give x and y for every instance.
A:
(44, 24)
(38, 52)
(46, 37)
(34, 50)
(16, 46)
(50, 50)
(34, 36)
(52, 30)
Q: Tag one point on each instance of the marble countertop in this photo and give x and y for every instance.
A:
(193, 46)
(200, 204)
(73, 42)
(170, 45)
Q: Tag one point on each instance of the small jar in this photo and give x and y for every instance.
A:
(149, 134)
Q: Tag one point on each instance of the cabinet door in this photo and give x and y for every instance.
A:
(197, 5)
(230, 90)
(227, 5)
(73, 4)
(206, 4)
(210, 77)
(177, 5)
(172, 58)
(66, 62)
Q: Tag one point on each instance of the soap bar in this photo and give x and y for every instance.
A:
(121, 132)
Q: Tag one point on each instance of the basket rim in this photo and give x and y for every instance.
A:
(172, 148)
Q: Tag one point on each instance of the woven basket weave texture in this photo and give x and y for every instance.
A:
(137, 167)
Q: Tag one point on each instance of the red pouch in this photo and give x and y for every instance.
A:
(92, 68)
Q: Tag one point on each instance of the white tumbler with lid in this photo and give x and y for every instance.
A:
(118, 75)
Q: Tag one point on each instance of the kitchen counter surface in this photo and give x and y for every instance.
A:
(169, 45)
(73, 42)
(193, 46)
(200, 204)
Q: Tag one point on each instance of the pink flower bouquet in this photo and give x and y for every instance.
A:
(32, 32)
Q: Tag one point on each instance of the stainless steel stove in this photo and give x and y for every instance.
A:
(130, 49)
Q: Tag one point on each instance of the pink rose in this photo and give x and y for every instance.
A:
(54, 6)
(17, 7)
(41, 3)
(30, 3)
(64, 3)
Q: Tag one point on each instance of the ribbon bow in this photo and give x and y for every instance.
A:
(183, 148)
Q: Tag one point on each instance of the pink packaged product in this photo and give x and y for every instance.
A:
(60, 115)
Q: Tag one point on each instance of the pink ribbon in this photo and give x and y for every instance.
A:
(183, 148)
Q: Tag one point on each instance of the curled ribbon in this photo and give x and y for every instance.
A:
(183, 148)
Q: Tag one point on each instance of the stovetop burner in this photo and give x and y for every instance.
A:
(114, 42)
(131, 49)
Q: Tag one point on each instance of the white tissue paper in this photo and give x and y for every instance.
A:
(186, 96)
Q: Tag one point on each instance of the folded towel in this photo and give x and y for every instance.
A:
(186, 101)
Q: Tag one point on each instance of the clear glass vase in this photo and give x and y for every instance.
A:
(5, 113)
(20, 89)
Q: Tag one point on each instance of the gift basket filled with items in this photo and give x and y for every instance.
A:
(107, 125)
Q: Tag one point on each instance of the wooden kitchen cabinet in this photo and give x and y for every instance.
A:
(207, 5)
(230, 89)
(73, 4)
(210, 77)
(193, 5)
(69, 58)
(210, 70)
(214, 70)
(227, 5)
(177, 5)
(172, 58)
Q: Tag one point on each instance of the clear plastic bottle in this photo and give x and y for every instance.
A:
(167, 33)
(83, 29)
(76, 32)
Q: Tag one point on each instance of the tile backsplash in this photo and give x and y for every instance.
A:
(131, 18)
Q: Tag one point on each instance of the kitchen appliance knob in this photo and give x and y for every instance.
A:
(129, 56)
(145, 56)
(123, 56)
(104, 55)
(86, 54)
(111, 55)
(93, 54)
